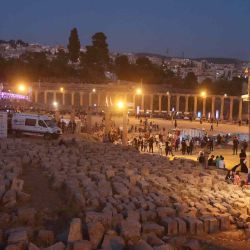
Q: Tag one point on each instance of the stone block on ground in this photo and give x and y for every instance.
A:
(211, 224)
(182, 226)
(18, 236)
(170, 225)
(95, 232)
(130, 230)
(111, 242)
(75, 230)
(224, 222)
(82, 245)
(46, 236)
(56, 246)
(150, 227)
(142, 245)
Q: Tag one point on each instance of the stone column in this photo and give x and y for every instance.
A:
(54, 96)
(72, 98)
(63, 98)
(212, 109)
(98, 99)
(36, 97)
(90, 99)
(177, 103)
(204, 107)
(45, 97)
(169, 103)
(240, 110)
(222, 108)
(160, 97)
(186, 103)
(134, 104)
(231, 108)
(125, 127)
(142, 102)
(152, 103)
(81, 98)
(195, 105)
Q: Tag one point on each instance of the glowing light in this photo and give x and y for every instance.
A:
(93, 90)
(120, 104)
(21, 87)
(55, 104)
(203, 94)
(225, 95)
(61, 89)
(139, 91)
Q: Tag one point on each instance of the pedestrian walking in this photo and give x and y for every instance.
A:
(235, 145)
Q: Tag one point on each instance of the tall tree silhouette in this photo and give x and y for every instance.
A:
(74, 46)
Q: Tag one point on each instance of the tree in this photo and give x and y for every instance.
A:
(96, 59)
(122, 67)
(74, 46)
(190, 80)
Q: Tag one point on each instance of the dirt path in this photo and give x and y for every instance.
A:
(37, 185)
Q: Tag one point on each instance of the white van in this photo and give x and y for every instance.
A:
(35, 124)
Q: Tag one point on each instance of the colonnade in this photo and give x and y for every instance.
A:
(168, 96)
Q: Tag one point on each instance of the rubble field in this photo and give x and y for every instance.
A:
(88, 195)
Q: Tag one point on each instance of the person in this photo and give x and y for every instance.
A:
(219, 138)
(217, 122)
(222, 162)
(235, 145)
(211, 161)
(170, 148)
(229, 177)
(175, 123)
(166, 147)
(212, 127)
(211, 144)
(201, 158)
(237, 180)
(151, 144)
(188, 146)
(217, 160)
(244, 145)
(145, 144)
(183, 147)
(160, 147)
(191, 146)
(176, 145)
(242, 156)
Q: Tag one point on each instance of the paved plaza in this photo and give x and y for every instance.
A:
(222, 128)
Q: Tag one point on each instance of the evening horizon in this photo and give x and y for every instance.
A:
(178, 27)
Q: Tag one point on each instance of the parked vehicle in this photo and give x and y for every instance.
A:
(42, 125)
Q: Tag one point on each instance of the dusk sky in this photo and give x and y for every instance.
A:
(199, 28)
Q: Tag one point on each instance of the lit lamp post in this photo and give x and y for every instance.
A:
(121, 105)
(138, 92)
(204, 95)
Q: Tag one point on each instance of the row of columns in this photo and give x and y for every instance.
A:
(72, 97)
(90, 102)
(195, 105)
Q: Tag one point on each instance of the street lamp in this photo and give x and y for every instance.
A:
(55, 104)
(123, 107)
(22, 88)
(138, 91)
(203, 94)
